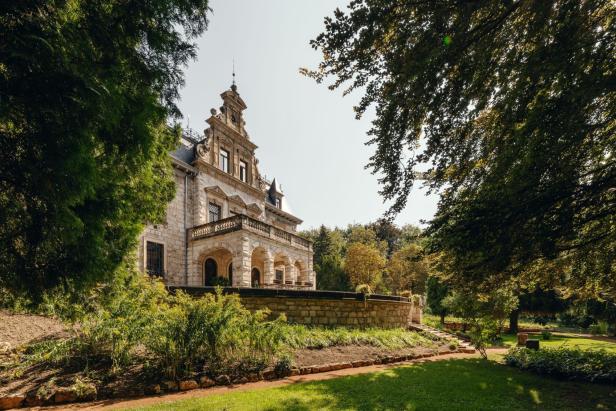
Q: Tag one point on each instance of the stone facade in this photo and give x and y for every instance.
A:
(339, 312)
(226, 224)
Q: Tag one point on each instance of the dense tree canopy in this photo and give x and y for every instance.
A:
(364, 264)
(514, 104)
(86, 90)
(403, 265)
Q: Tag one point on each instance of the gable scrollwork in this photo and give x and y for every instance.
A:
(203, 147)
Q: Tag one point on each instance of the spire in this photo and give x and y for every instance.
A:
(233, 86)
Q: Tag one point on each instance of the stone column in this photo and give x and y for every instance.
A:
(305, 276)
(289, 273)
(268, 270)
(200, 203)
(241, 264)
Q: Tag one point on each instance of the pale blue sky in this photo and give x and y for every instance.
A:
(308, 136)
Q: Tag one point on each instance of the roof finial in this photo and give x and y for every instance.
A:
(233, 86)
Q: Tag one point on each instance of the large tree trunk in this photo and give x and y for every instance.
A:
(513, 321)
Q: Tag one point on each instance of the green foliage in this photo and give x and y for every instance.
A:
(134, 319)
(331, 248)
(514, 104)
(436, 291)
(301, 336)
(407, 269)
(600, 328)
(215, 330)
(546, 335)
(572, 364)
(87, 90)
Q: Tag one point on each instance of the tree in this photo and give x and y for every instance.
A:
(407, 270)
(364, 265)
(328, 259)
(515, 102)
(364, 234)
(436, 291)
(331, 274)
(86, 90)
(388, 232)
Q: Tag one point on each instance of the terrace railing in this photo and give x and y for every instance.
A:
(243, 222)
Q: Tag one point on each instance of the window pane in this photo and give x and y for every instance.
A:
(243, 168)
(224, 160)
(214, 212)
(155, 263)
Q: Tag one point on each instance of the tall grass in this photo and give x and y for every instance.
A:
(136, 320)
(300, 336)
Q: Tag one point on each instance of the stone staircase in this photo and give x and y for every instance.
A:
(465, 346)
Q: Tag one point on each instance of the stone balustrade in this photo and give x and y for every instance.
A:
(243, 222)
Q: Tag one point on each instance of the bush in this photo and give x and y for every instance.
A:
(214, 331)
(601, 328)
(134, 319)
(572, 364)
(546, 335)
(364, 289)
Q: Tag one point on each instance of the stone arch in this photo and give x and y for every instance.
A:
(260, 261)
(214, 264)
(283, 269)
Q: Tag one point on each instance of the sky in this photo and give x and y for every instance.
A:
(307, 135)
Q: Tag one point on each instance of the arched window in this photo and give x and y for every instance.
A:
(230, 274)
(210, 270)
(255, 278)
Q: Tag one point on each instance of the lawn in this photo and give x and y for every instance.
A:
(564, 340)
(462, 384)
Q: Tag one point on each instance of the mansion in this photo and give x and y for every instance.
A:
(227, 225)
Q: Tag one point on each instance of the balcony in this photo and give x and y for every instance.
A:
(243, 222)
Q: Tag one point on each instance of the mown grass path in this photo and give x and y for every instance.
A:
(452, 382)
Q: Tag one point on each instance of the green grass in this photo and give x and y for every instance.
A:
(462, 384)
(300, 336)
(563, 340)
(435, 321)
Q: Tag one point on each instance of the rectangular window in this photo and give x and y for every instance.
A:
(224, 160)
(155, 259)
(243, 171)
(278, 203)
(214, 212)
(279, 276)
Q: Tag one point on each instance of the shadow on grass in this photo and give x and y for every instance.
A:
(469, 384)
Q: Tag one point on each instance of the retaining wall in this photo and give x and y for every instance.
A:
(326, 307)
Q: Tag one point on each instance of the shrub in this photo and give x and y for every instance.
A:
(573, 364)
(283, 366)
(546, 335)
(213, 331)
(364, 289)
(601, 328)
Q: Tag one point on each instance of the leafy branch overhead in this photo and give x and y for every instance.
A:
(511, 105)
(87, 88)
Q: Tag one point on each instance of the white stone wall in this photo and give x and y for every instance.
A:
(171, 233)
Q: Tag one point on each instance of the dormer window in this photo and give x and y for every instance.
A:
(278, 203)
(243, 171)
(224, 160)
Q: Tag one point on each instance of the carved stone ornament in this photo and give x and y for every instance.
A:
(202, 148)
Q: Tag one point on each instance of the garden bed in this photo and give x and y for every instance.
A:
(311, 350)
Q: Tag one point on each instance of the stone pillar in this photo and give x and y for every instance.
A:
(200, 203)
(241, 264)
(289, 273)
(305, 276)
(268, 270)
